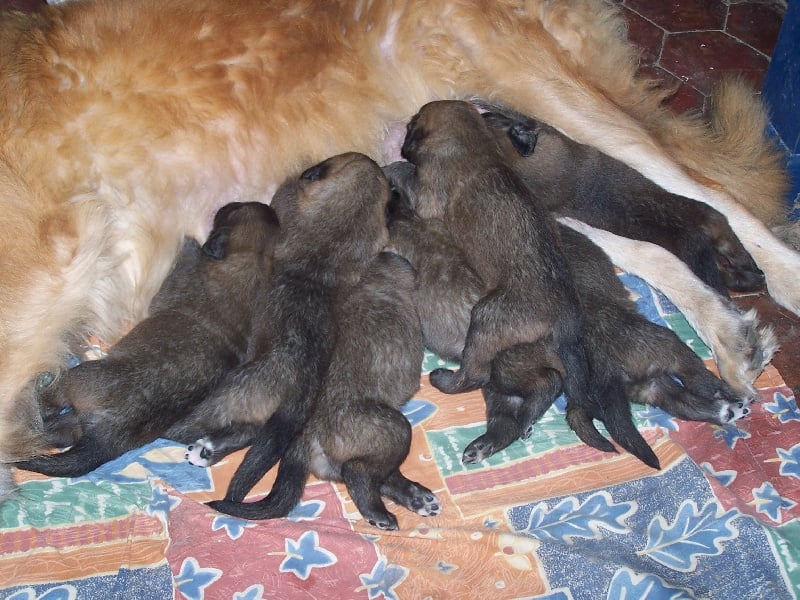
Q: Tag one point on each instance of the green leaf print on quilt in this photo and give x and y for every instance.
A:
(430, 362)
(786, 543)
(66, 502)
(678, 323)
(448, 444)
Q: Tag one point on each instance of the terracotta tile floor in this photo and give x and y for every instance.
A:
(692, 43)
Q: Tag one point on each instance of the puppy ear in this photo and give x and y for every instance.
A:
(216, 243)
(411, 141)
(523, 138)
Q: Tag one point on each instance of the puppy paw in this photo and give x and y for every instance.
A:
(200, 453)
(442, 379)
(733, 412)
(476, 451)
(386, 522)
(430, 506)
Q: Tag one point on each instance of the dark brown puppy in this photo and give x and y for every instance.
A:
(631, 357)
(579, 181)
(512, 243)
(652, 362)
(200, 326)
(525, 378)
(447, 285)
(356, 432)
(334, 221)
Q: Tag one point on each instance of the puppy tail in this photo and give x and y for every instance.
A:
(580, 421)
(286, 491)
(618, 420)
(270, 444)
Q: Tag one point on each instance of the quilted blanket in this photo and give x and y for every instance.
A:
(547, 518)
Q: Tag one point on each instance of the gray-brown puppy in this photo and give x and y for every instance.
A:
(200, 326)
(579, 181)
(356, 432)
(334, 223)
(511, 241)
(525, 378)
(447, 285)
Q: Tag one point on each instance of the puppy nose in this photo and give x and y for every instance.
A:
(314, 173)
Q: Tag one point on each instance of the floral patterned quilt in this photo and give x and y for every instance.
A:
(548, 518)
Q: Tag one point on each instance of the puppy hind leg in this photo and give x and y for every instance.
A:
(502, 427)
(618, 420)
(665, 392)
(213, 446)
(484, 336)
(410, 494)
(363, 479)
(581, 421)
(270, 444)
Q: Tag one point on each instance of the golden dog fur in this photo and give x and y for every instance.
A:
(124, 125)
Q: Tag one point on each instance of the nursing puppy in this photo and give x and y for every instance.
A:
(447, 285)
(512, 243)
(334, 222)
(356, 432)
(200, 327)
(525, 378)
(637, 360)
(102, 175)
(578, 181)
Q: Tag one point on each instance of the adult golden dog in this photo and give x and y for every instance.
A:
(124, 125)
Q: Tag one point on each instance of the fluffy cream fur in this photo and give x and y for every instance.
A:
(124, 125)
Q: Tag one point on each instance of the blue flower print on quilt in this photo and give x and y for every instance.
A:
(692, 534)
(679, 531)
(383, 580)
(568, 520)
(233, 527)
(305, 554)
(790, 461)
(783, 407)
(627, 584)
(193, 579)
(254, 592)
(769, 502)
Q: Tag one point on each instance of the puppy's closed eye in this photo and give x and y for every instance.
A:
(314, 173)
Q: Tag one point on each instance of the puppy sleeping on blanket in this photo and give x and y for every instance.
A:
(651, 366)
(156, 378)
(334, 222)
(356, 432)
